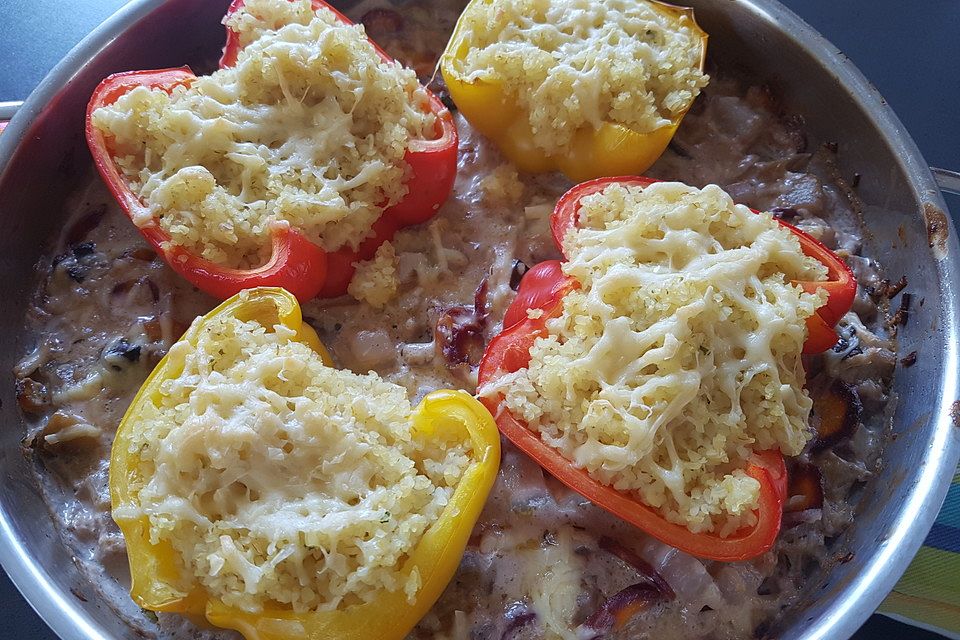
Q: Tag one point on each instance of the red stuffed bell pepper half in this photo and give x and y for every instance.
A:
(657, 369)
(305, 152)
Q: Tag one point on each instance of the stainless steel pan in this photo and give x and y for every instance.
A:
(42, 153)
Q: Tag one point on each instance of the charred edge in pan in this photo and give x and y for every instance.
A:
(900, 318)
(887, 290)
(894, 288)
(938, 227)
(909, 360)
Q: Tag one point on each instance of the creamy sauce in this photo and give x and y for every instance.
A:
(539, 563)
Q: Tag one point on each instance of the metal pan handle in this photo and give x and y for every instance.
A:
(948, 181)
(7, 109)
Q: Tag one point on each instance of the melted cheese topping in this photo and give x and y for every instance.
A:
(575, 63)
(679, 355)
(310, 126)
(277, 478)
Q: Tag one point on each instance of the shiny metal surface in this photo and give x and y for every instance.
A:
(948, 181)
(9, 108)
(42, 155)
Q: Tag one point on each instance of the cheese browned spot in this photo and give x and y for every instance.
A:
(278, 479)
(680, 354)
(571, 63)
(310, 126)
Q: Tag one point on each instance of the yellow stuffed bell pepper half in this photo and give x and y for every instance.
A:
(611, 149)
(160, 580)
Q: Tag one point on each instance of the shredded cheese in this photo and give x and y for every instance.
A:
(375, 281)
(310, 126)
(576, 63)
(680, 353)
(277, 479)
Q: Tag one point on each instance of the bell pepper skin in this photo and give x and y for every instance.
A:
(157, 583)
(610, 150)
(296, 264)
(543, 287)
(433, 169)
